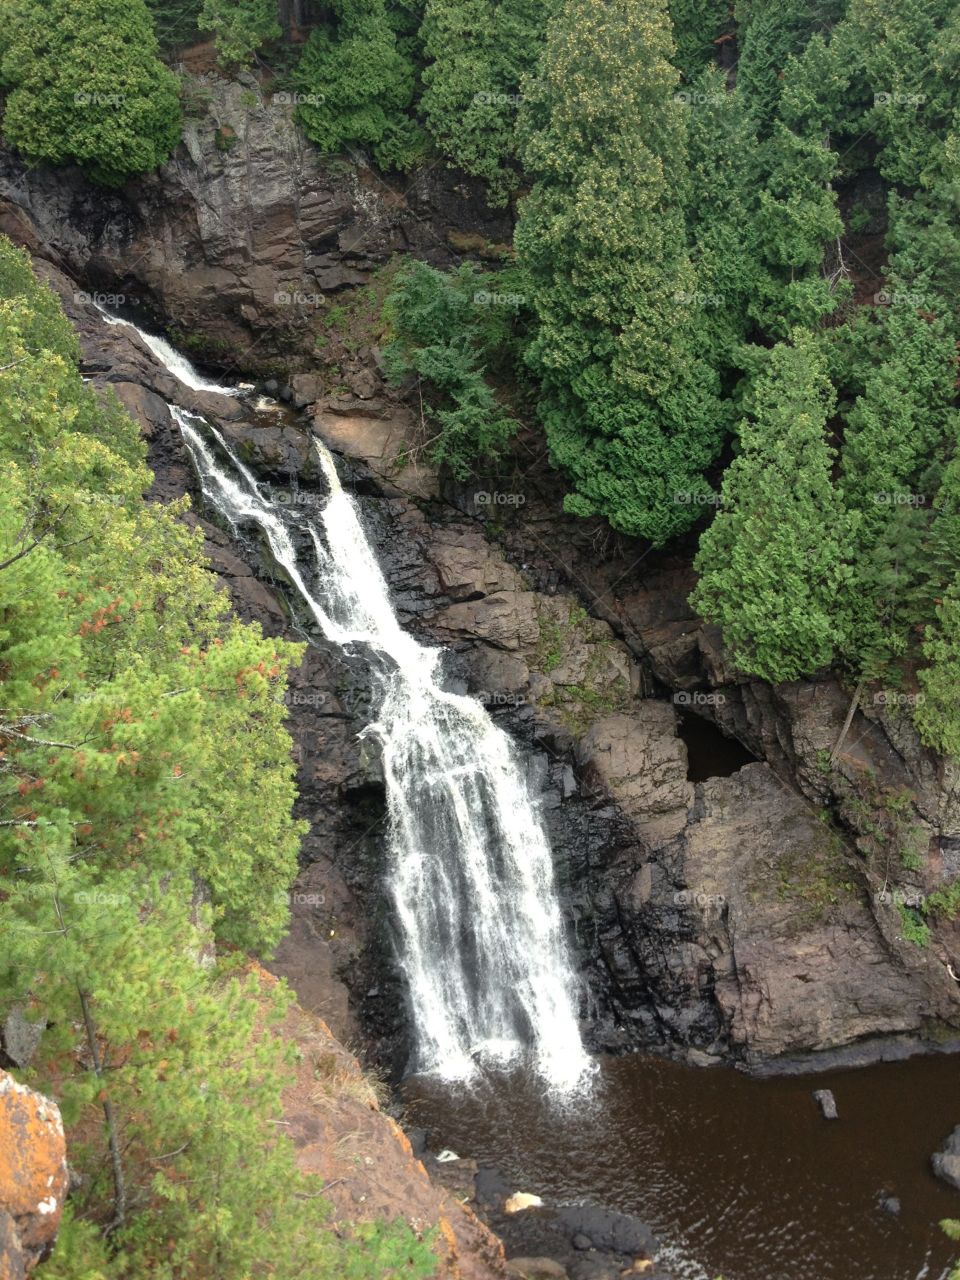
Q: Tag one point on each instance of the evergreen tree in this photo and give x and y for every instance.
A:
(87, 86)
(146, 790)
(358, 83)
(938, 715)
(774, 558)
(798, 223)
(478, 53)
(898, 436)
(721, 216)
(697, 24)
(241, 27)
(631, 411)
(910, 55)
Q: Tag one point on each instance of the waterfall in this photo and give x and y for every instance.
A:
(470, 869)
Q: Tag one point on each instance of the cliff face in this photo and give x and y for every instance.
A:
(719, 910)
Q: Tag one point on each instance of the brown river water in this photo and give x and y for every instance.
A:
(738, 1177)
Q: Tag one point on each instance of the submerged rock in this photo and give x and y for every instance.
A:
(946, 1161)
(827, 1103)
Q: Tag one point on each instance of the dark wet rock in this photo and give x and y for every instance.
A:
(946, 1161)
(890, 1205)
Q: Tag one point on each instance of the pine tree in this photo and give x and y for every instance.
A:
(774, 558)
(631, 412)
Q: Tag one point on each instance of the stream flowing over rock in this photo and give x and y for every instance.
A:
(720, 913)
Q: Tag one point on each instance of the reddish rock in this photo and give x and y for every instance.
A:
(33, 1177)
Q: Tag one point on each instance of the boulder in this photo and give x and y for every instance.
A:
(827, 1103)
(33, 1176)
(20, 1036)
(521, 1200)
(946, 1161)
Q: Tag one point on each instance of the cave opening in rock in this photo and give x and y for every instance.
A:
(710, 753)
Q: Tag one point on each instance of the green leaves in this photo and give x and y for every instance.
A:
(114, 114)
(774, 559)
(444, 328)
(356, 84)
(478, 54)
(630, 407)
(240, 26)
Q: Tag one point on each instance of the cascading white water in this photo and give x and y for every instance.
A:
(471, 873)
(168, 356)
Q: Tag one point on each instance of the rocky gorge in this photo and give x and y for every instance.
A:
(732, 864)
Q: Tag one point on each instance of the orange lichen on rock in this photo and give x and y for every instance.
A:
(33, 1177)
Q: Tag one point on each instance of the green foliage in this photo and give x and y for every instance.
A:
(115, 114)
(478, 53)
(915, 928)
(938, 718)
(769, 32)
(696, 25)
(773, 560)
(357, 83)
(445, 328)
(241, 27)
(631, 410)
(146, 790)
(944, 902)
(176, 22)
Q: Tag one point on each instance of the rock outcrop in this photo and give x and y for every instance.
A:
(946, 1161)
(367, 1166)
(247, 233)
(33, 1177)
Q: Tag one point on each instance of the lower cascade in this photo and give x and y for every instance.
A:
(470, 868)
